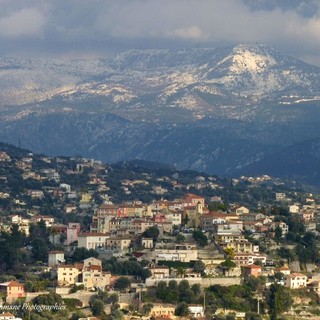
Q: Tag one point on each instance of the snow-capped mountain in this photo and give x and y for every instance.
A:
(191, 79)
(219, 110)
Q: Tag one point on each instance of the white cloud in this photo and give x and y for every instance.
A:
(25, 22)
(105, 23)
(193, 32)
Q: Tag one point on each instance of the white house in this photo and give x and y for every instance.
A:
(55, 258)
(8, 316)
(92, 240)
(196, 311)
(184, 253)
(296, 281)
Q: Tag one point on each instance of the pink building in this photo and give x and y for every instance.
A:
(72, 232)
(252, 271)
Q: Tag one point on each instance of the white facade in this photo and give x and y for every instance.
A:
(55, 258)
(8, 316)
(294, 208)
(296, 281)
(196, 311)
(243, 259)
(184, 255)
(174, 217)
(92, 240)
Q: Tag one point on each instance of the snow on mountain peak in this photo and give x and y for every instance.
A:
(253, 61)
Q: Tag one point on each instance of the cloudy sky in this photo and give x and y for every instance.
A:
(99, 27)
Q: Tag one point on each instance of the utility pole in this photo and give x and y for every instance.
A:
(204, 301)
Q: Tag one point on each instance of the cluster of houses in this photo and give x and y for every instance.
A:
(118, 230)
(115, 229)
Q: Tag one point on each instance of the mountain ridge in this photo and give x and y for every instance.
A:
(220, 110)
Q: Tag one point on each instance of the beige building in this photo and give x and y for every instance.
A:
(184, 253)
(118, 243)
(103, 215)
(93, 276)
(133, 211)
(241, 210)
(192, 200)
(13, 290)
(85, 198)
(243, 246)
(139, 226)
(162, 310)
(89, 274)
(160, 272)
(69, 274)
(92, 262)
(175, 217)
(147, 243)
(193, 215)
(49, 221)
(92, 240)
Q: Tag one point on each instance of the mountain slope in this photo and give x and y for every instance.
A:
(223, 111)
(300, 161)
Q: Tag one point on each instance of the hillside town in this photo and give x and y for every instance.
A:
(128, 241)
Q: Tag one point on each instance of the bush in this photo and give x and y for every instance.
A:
(72, 304)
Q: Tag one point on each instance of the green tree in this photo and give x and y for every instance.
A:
(185, 292)
(196, 289)
(227, 265)
(81, 254)
(17, 238)
(122, 283)
(285, 253)
(173, 291)
(181, 272)
(38, 231)
(199, 266)
(278, 299)
(304, 254)
(255, 284)
(162, 290)
(116, 314)
(252, 316)
(78, 314)
(48, 299)
(146, 308)
(145, 273)
(182, 310)
(180, 238)
(97, 307)
(229, 252)
(278, 233)
(152, 232)
(40, 250)
(200, 238)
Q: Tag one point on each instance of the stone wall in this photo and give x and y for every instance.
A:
(204, 282)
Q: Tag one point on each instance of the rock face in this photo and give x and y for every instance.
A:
(243, 109)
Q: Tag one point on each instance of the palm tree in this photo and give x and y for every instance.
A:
(181, 272)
